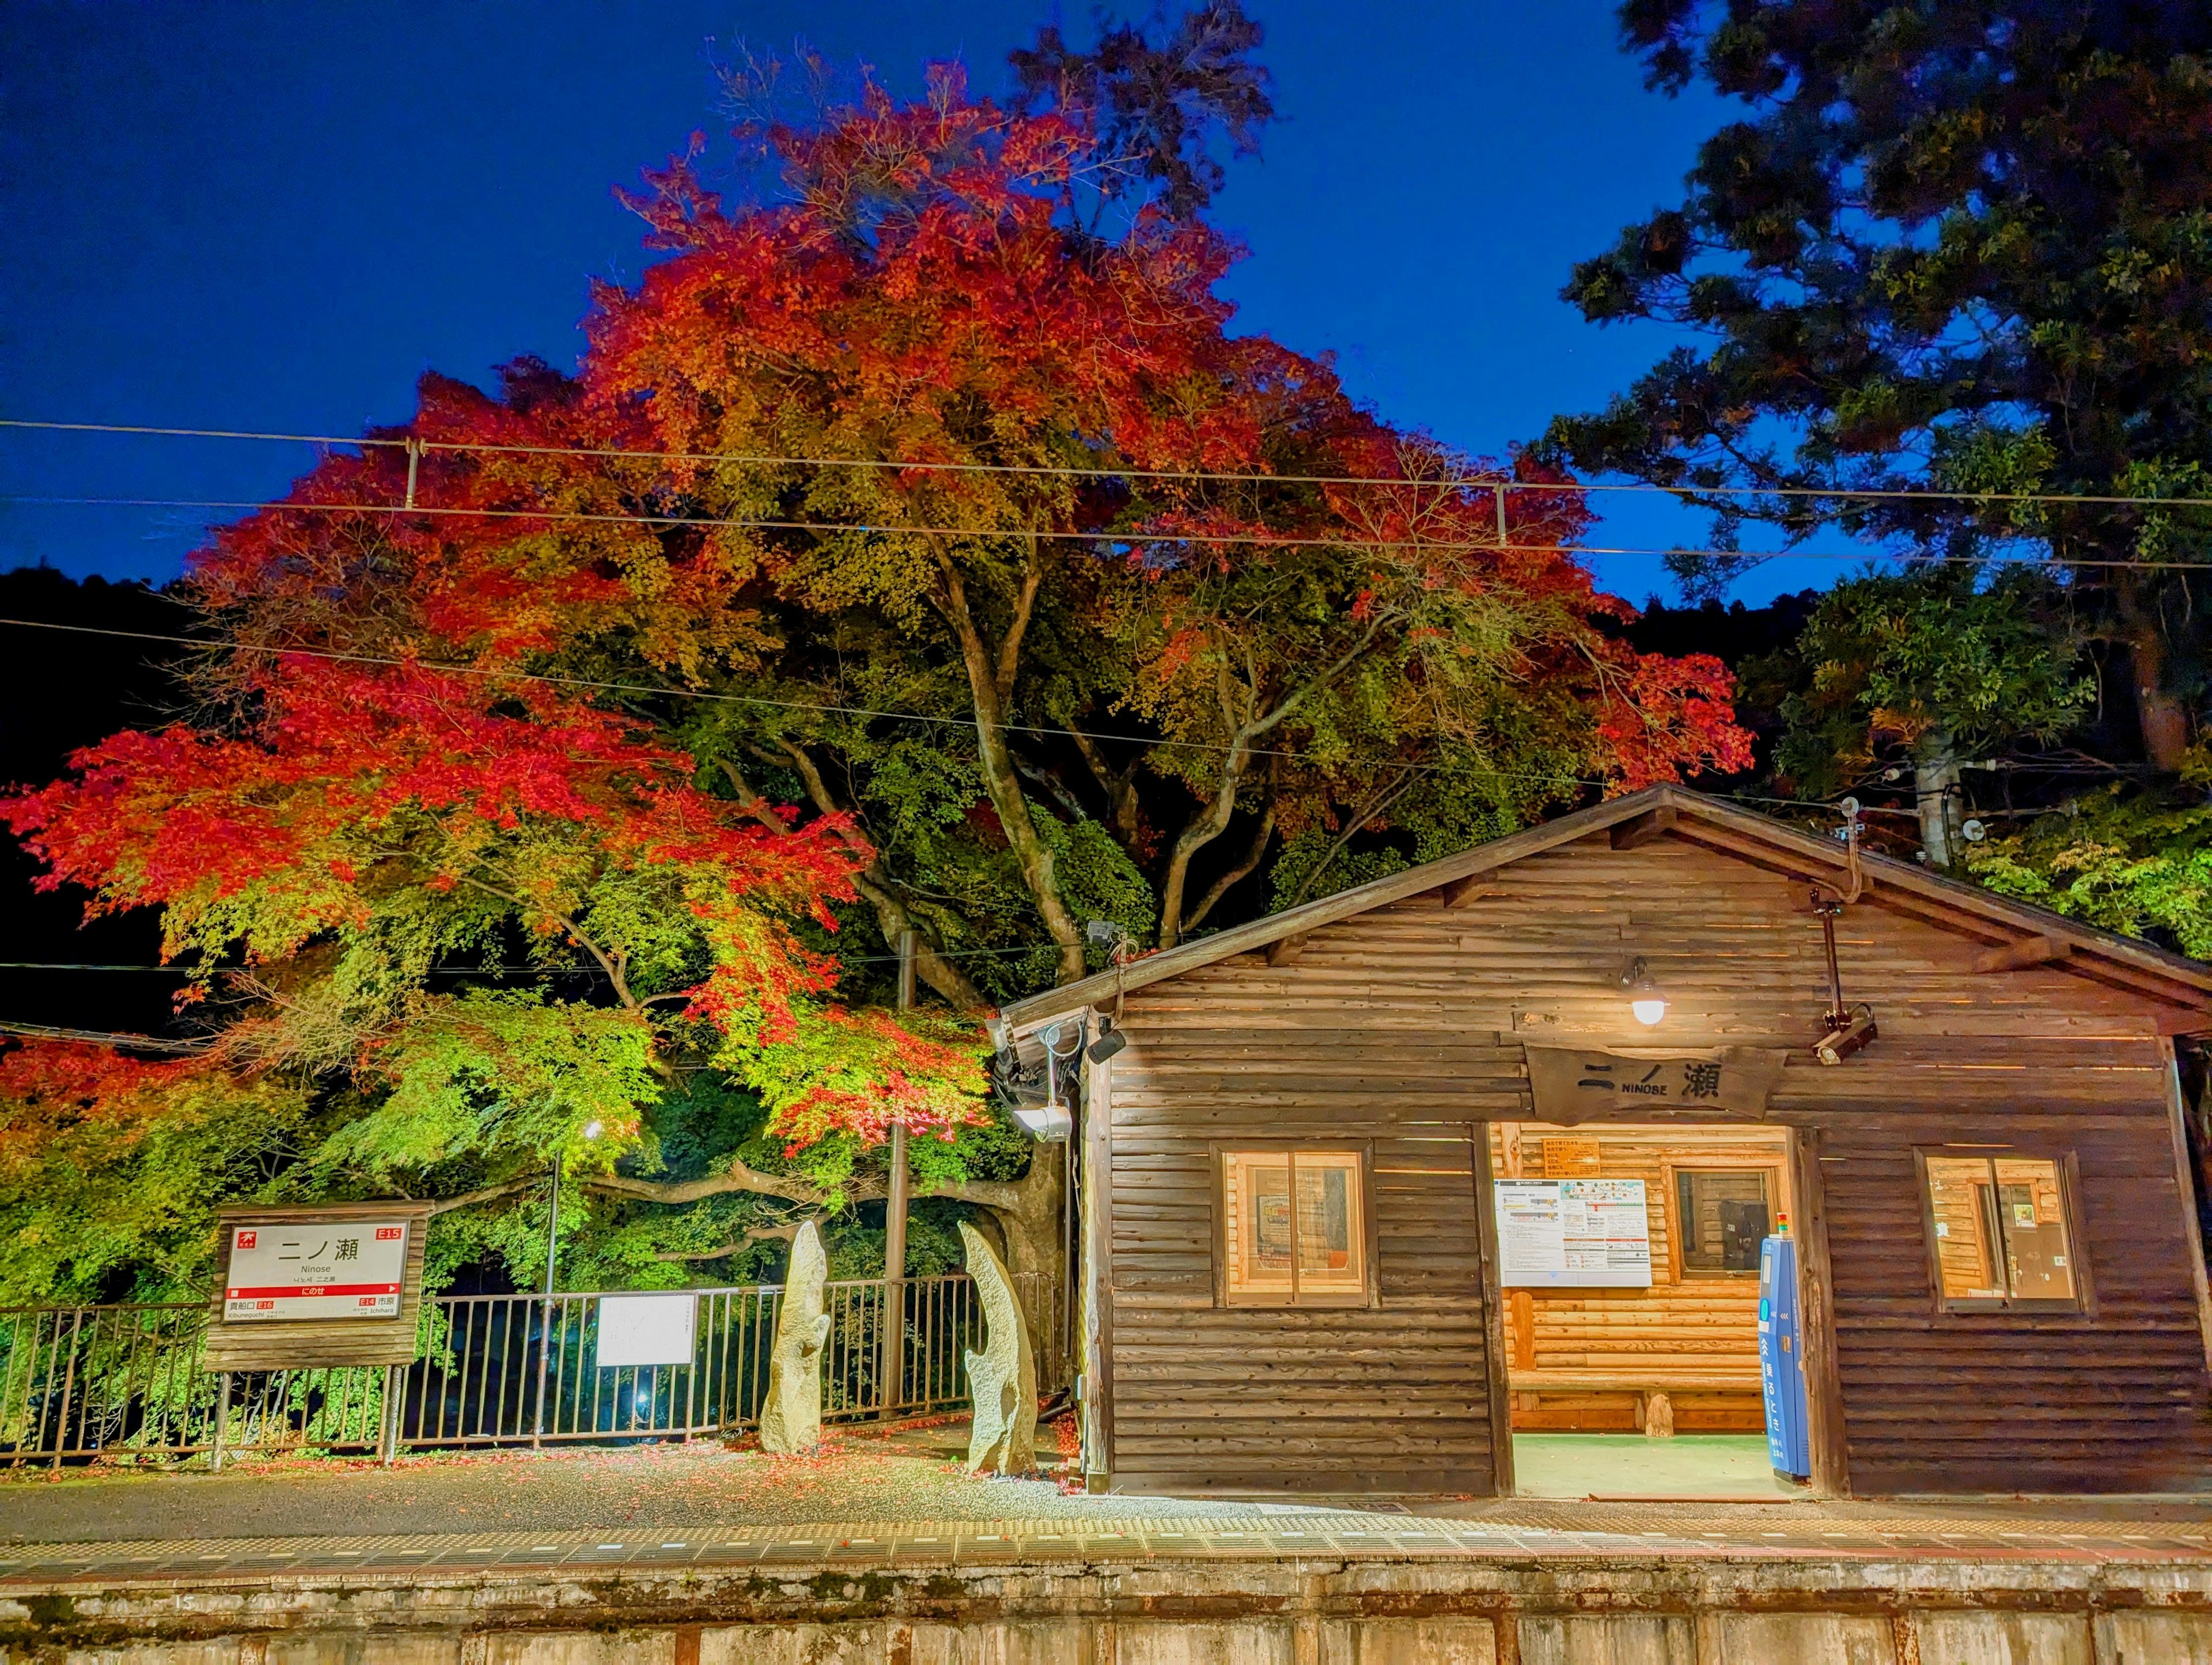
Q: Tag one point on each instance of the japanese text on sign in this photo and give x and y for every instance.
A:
(351, 1269)
(1574, 1084)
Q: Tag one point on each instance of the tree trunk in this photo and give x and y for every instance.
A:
(1025, 1213)
(2159, 709)
(1935, 792)
(990, 686)
(1208, 823)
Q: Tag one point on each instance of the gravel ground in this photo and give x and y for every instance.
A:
(909, 1474)
(906, 1474)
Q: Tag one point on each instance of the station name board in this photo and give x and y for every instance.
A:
(316, 1269)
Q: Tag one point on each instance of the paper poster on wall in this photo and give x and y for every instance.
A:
(1573, 1233)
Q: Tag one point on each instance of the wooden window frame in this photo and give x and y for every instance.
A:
(2084, 1303)
(1776, 1169)
(1370, 1296)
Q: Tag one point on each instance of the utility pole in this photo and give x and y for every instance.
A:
(893, 1327)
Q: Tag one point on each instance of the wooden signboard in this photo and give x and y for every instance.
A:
(1571, 1158)
(1571, 1084)
(341, 1283)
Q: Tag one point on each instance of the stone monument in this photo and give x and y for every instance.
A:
(791, 1419)
(1003, 1377)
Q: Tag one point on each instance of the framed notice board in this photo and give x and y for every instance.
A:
(341, 1283)
(1573, 1234)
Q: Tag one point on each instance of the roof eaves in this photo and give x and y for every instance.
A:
(2023, 916)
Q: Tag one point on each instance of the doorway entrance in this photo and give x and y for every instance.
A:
(1630, 1272)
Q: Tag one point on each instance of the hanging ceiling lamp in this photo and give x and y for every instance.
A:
(1645, 1002)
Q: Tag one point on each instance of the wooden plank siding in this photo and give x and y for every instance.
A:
(1394, 1398)
(1404, 1024)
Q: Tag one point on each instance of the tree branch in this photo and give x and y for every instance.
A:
(1120, 785)
(1236, 875)
(1001, 779)
(1009, 648)
(1213, 815)
(490, 1193)
(1013, 1196)
(783, 1233)
(1051, 783)
(738, 1176)
(607, 962)
(876, 886)
(1381, 802)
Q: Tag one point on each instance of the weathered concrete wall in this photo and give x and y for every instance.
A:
(1754, 1611)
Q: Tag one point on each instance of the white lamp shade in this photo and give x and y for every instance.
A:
(1049, 1122)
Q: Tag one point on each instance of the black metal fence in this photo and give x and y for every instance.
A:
(124, 1383)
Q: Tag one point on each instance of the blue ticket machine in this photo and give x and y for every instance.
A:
(1782, 1358)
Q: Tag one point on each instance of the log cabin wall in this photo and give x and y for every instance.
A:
(1209, 1397)
(1685, 1351)
(1404, 1024)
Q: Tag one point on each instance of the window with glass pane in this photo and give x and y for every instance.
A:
(1294, 1225)
(2002, 1234)
(1723, 1214)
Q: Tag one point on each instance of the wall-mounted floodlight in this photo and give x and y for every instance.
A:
(1049, 1124)
(1050, 1121)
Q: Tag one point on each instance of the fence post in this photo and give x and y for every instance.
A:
(222, 1420)
(69, 1382)
(387, 1436)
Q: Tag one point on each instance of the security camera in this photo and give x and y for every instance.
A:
(1110, 1041)
(1846, 1037)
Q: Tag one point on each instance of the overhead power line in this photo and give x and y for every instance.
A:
(515, 970)
(1255, 540)
(594, 685)
(101, 1037)
(590, 684)
(1868, 494)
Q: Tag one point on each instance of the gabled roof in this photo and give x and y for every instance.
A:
(1705, 820)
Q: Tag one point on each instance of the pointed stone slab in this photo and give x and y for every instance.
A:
(791, 1419)
(1003, 1377)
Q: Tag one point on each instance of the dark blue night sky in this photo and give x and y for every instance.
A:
(235, 214)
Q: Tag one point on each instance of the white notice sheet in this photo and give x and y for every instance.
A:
(1573, 1233)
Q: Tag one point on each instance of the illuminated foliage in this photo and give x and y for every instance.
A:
(516, 810)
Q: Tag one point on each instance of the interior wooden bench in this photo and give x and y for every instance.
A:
(1668, 1399)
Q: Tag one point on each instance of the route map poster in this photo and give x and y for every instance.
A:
(1573, 1234)
(326, 1269)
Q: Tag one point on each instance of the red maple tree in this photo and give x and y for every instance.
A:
(917, 406)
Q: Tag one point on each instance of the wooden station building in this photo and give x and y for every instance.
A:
(1292, 1271)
